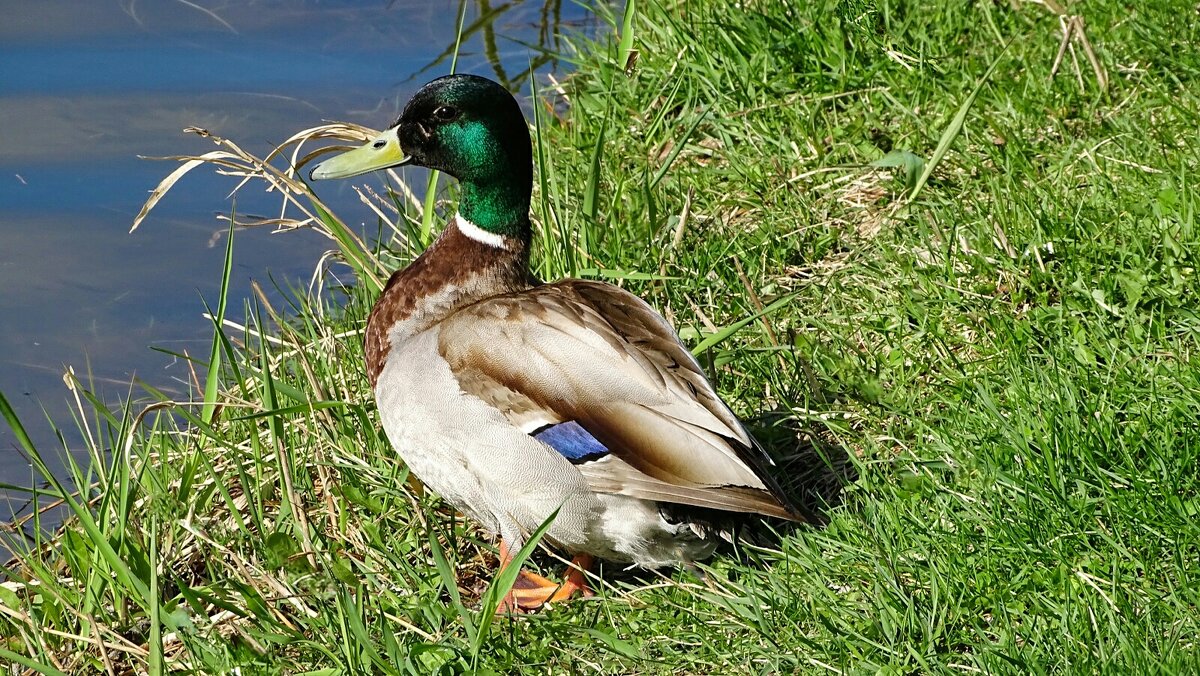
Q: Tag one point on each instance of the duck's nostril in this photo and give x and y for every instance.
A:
(379, 144)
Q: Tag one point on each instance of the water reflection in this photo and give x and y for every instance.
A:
(87, 87)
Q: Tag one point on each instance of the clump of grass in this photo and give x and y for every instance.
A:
(1007, 355)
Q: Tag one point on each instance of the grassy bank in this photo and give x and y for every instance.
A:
(988, 294)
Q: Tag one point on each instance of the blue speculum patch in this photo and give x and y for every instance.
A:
(572, 441)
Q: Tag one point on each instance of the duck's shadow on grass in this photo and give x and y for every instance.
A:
(813, 469)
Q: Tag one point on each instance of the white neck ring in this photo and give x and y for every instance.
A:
(478, 234)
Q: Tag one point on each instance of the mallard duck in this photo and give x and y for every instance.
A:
(512, 398)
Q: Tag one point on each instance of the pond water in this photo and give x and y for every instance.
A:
(85, 88)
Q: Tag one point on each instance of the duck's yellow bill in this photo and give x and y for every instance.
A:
(381, 152)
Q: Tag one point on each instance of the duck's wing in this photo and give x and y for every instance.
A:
(597, 374)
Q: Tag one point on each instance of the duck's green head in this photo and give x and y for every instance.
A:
(468, 127)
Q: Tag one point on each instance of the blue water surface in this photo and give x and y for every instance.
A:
(85, 88)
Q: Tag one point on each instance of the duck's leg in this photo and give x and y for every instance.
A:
(532, 591)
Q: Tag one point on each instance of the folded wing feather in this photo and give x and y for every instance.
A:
(594, 354)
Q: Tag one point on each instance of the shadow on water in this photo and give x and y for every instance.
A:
(90, 87)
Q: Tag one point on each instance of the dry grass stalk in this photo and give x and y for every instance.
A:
(1074, 30)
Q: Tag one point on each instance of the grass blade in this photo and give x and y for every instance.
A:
(212, 380)
(30, 664)
(450, 582)
(504, 582)
(952, 130)
(678, 148)
(627, 55)
(591, 192)
(714, 339)
(155, 668)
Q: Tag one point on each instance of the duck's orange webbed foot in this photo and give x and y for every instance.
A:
(532, 591)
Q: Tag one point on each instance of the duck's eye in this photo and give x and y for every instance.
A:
(445, 113)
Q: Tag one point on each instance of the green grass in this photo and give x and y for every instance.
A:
(1004, 346)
